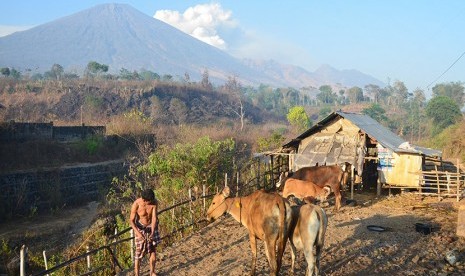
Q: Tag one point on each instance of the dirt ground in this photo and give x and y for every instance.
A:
(222, 248)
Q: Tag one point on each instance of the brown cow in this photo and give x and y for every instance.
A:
(308, 230)
(267, 216)
(305, 189)
(331, 176)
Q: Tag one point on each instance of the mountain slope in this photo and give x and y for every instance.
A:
(123, 37)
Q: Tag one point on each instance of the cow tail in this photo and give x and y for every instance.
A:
(322, 230)
(282, 236)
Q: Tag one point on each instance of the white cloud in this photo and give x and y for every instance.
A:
(6, 30)
(201, 21)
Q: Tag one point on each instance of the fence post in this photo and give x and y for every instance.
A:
(88, 257)
(132, 245)
(22, 263)
(203, 195)
(258, 173)
(45, 261)
(190, 205)
(115, 239)
(237, 185)
(273, 186)
(225, 179)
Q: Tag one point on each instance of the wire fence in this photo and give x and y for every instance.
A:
(189, 213)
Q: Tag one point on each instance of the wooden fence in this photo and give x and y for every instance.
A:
(257, 174)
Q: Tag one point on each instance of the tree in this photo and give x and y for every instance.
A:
(400, 93)
(376, 112)
(443, 111)
(57, 71)
(374, 91)
(453, 90)
(298, 118)
(326, 94)
(5, 71)
(205, 83)
(94, 68)
(233, 88)
(355, 94)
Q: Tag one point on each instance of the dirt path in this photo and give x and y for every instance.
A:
(222, 248)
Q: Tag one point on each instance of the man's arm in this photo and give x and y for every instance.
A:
(154, 219)
(132, 219)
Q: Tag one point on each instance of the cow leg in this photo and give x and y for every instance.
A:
(270, 250)
(310, 258)
(253, 246)
(293, 253)
(338, 196)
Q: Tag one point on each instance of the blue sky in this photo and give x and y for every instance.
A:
(414, 41)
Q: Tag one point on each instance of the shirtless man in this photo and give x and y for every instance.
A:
(144, 222)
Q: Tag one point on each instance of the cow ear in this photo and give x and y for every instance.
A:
(327, 190)
(226, 191)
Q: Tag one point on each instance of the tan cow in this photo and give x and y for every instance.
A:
(308, 230)
(305, 189)
(267, 216)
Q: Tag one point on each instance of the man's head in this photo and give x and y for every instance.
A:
(148, 195)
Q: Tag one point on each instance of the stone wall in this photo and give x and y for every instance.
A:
(20, 132)
(33, 191)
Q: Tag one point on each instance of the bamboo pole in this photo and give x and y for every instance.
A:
(204, 188)
(437, 180)
(22, 262)
(45, 261)
(132, 245)
(237, 185)
(88, 258)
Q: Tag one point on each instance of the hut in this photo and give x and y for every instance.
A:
(378, 157)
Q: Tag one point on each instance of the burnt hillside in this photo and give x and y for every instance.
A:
(96, 102)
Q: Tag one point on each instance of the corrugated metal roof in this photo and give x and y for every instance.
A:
(383, 135)
(371, 127)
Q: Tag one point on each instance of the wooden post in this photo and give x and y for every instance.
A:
(45, 261)
(226, 179)
(204, 188)
(272, 172)
(437, 182)
(258, 173)
(190, 205)
(132, 244)
(352, 180)
(22, 262)
(115, 239)
(88, 258)
(237, 185)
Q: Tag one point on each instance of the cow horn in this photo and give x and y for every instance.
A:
(226, 191)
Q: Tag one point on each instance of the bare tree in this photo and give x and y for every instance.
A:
(233, 88)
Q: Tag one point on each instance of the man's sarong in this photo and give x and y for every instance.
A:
(146, 244)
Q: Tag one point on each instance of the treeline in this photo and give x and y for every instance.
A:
(407, 113)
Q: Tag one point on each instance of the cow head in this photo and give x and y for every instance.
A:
(282, 178)
(218, 206)
(324, 193)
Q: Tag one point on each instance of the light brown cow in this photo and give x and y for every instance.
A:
(308, 230)
(305, 189)
(267, 216)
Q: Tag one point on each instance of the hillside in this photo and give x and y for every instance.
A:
(96, 102)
